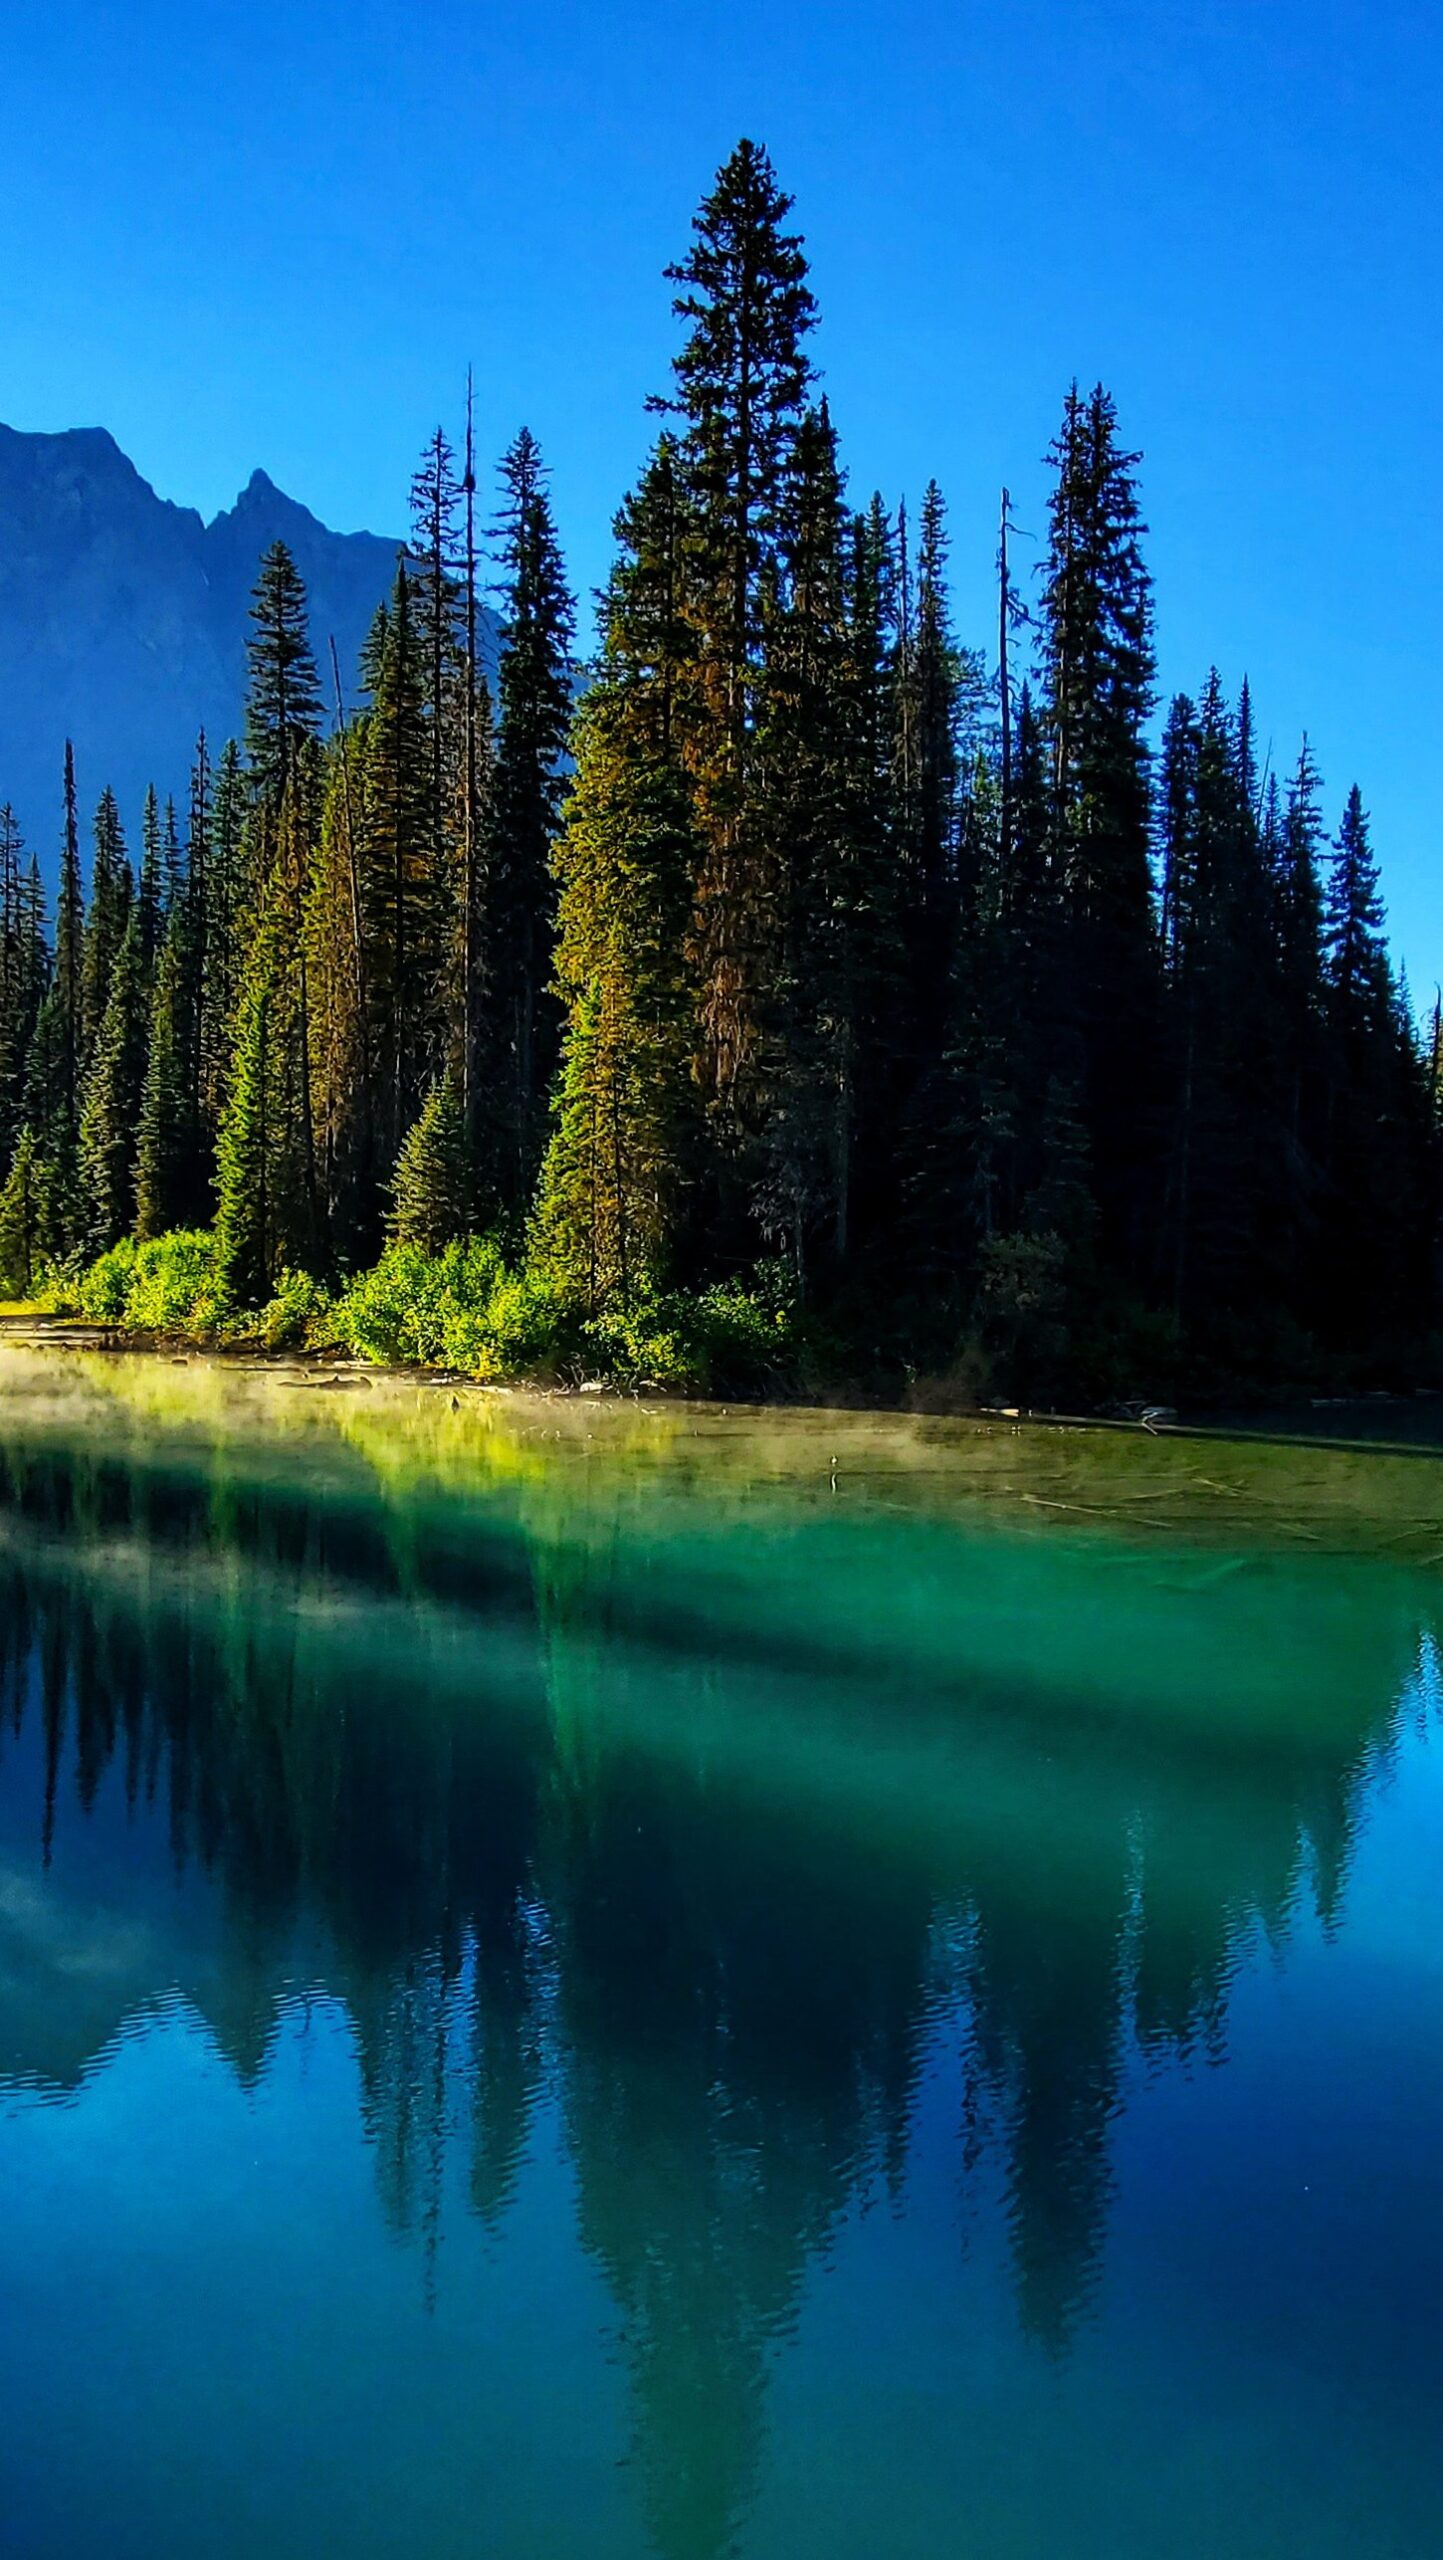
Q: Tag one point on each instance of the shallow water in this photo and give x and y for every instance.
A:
(619, 1980)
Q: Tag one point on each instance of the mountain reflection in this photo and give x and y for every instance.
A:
(547, 1815)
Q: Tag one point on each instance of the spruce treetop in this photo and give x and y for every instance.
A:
(283, 705)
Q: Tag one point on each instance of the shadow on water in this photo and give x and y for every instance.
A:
(552, 1802)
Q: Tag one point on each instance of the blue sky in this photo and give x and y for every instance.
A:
(276, 235)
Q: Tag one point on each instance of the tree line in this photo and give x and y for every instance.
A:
(795, 929)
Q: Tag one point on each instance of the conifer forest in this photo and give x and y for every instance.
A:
(801, 988)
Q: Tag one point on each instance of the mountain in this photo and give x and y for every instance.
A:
(123, 620)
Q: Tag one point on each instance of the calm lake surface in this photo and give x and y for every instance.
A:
(596, 1980)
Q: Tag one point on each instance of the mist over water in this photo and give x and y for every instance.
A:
(652, 1981)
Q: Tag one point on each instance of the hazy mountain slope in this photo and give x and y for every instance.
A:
(123, 619)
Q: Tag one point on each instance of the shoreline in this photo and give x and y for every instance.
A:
(337, 1368)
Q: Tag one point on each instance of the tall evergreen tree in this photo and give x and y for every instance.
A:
(112, 892)
(1228, 1160)
(272, 996)
(111, 1108)
(151, 890)
(283, 702)
(528, 786)
(612, 1199)
(341, 1065)
(24, 969)
(430, 1191)
(265, 1220)
(1097, 665)
(70, 962)
(24, 1218)
(170, 1174)
(741, 383)
(816, 815)
(403, 878)
(928, 752)
(437, 606)
(1379, 1144)
(224, 898)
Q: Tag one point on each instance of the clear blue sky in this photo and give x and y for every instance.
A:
(275, 234)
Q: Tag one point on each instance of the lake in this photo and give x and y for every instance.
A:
(605, 1979)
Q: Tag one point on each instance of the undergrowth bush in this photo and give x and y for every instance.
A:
(734, 1338)
(299, 1306)
(172, 1283)
(464, 1308)
(418, 1306)
(102, 1291)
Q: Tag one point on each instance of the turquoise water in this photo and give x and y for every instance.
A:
(620, 1983)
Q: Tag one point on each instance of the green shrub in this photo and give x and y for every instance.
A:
(648, 1344)
(171, 1277)
(531, 1324)
(286, 1319)
(750, 1334)
(734, 1338)
(103, 1291)
(464, 1308)
(418, 1306)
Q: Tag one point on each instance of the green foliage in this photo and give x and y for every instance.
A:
(264, 1221)
(528, 785)
(401, 885)
(731, 1338)
(167, 1173)
(429, 1192)
(112, 890)
(24, 967)
(457, 1309)
(172, 1278)
(21, 1220)
(103, 1291)
(616, 1169)
(464, 1309)
(113, 1089)
(285, 1321)
(284, 701)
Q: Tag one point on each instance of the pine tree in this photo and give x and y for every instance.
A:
(170, 1173)
(277, 860)
(611, 1206)
(741, 382)
(929, 713)
(265, 1206)
(112, 893)
(283, 703)
(24, 968)
(46, 1113)
(1357, 960)
(437, 604)
(1295, 845)
(430, 1189)
(1300, 895)
(1228, 1161)
(1097, 663)
(402, 887)
(23, 1219)
(814, 815)
(111, 1108)
(69, 956)
(225, 896)
(150, 894)
(1380, 1175)
(528, 786)
(346, 1133)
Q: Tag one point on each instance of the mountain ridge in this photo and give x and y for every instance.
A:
(123, 619)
